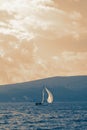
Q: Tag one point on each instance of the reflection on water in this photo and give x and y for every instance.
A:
(57, 116)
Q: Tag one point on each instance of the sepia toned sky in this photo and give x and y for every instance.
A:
(42, 38)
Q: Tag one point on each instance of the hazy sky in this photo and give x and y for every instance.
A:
(42, 38)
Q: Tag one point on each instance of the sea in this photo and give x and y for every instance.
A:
(56, 116)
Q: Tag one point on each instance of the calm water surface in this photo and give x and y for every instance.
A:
(56, 116)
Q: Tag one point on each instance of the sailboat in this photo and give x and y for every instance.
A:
(49, 98)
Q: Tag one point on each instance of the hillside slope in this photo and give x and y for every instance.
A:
(72, 88)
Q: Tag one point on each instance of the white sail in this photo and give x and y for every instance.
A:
(50, 96)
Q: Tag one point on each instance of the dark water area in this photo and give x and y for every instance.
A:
(56, 116)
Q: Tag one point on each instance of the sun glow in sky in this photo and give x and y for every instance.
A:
(42, 38)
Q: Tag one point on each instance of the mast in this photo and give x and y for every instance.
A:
(42, 96)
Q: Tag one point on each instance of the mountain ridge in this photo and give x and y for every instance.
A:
(70, 88)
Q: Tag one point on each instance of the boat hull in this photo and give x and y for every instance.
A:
(38, 103)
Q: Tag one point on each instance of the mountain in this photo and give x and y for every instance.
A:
(73, 88)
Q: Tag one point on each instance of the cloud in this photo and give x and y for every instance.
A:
(33, 34)
(36, 18)
(73, 56)
(70, 63)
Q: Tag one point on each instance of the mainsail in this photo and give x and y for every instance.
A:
(50, 96)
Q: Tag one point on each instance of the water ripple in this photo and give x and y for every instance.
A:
(58, 116)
